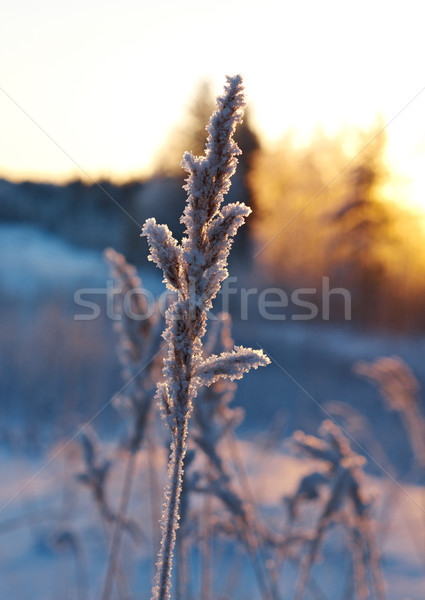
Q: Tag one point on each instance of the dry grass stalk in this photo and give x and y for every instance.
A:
(195, 269)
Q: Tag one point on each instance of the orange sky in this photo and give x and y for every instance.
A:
(106, 81)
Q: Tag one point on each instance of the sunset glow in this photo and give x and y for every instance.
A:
(212, 258)
(107, 82)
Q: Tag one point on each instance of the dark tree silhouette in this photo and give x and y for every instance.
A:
(362, 227)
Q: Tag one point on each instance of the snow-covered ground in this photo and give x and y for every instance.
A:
(55, 546)
(51, 534)
(34, 262)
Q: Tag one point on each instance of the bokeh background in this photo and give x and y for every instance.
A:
(98, 102)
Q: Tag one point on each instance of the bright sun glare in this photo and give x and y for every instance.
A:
(106, 82)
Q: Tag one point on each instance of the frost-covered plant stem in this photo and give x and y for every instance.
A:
(113, 560)
(139, 349)
(154, 488)
(195, 270)
(347, 503)
(175, 478)
(267, 573)
(206, 552)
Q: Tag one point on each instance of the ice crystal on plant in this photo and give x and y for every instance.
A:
(195, 269)
(347, 503)
(139, 345)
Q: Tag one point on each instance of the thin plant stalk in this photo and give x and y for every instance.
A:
(120, 575)
(182, 591)
(269, 572)
(118, 528)
(154, 486)
(206, 550)
(172, 513)
(195, 269)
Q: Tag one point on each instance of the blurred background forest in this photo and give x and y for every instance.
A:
(320, 209)
(332, 166)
